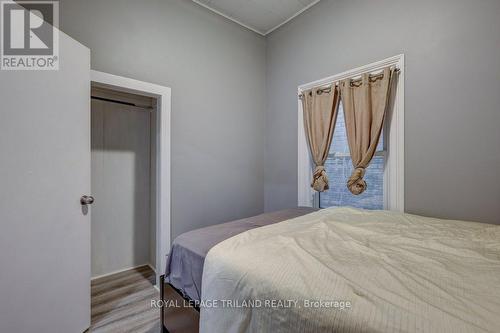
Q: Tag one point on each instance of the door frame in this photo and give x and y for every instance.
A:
(163, 192)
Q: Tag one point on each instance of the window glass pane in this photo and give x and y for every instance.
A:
(339, 168)
(339, 142)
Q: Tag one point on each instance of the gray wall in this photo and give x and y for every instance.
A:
(452, 96)
(216, 70)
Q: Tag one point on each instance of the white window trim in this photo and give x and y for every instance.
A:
(394, 168)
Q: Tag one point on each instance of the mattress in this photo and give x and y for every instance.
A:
(350, 270)
(185, 262)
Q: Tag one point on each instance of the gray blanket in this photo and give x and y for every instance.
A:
(185, 262)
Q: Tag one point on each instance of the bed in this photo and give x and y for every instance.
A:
(352, 270)
(183, 273)
(338, 270)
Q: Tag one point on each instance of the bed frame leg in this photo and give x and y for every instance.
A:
(162, 309)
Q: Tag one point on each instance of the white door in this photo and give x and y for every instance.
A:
(44, 170)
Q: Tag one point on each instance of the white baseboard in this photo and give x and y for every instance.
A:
(152, 268)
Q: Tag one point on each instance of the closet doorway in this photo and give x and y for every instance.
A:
(130, 175)
(123, 233)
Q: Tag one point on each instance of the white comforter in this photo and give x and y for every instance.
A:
(400, 273)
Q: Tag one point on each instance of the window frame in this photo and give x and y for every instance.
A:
(393, 139)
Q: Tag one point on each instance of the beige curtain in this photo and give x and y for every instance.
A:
(320, 108)
(364, 102)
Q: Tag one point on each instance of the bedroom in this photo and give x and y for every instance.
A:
(235, 148)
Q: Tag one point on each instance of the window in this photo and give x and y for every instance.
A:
(384, 175)
(339, 168)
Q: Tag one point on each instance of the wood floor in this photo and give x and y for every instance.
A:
(121, 303)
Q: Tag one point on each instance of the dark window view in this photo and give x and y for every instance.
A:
(339, 168)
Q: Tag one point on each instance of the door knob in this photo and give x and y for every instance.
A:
(87, 200)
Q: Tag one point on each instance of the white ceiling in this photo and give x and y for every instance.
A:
(261, 16)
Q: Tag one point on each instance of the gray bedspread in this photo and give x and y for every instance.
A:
(185, 262)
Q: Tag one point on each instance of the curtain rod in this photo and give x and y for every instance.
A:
(327, 89)
(120, 102)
